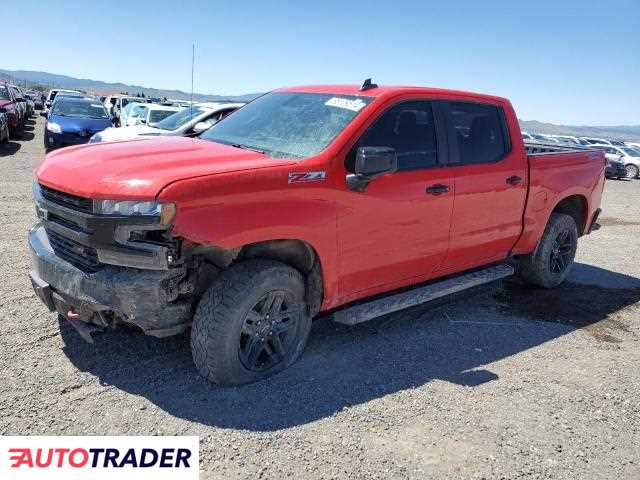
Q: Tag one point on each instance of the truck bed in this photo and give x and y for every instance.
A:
(533, 147)
(556, 172)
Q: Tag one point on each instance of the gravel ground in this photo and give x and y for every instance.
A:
(505, 383)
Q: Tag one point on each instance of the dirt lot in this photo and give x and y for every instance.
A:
(506, 383)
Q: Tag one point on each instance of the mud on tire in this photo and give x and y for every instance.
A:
(251, 323)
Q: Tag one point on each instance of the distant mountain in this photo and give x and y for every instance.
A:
(622, 132)
(45, 79)
(97, 86)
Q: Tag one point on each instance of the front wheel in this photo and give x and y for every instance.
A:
(632, 171)
(549, 264)
(252, 323)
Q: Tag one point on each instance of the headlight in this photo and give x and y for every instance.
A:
(165, 211)
(54, 127)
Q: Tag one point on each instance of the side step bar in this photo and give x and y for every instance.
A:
(375, 308)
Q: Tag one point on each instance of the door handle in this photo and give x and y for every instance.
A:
(514, 180)
(437, 189)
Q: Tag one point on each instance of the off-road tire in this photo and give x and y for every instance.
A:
(221, 312)
(536, 268)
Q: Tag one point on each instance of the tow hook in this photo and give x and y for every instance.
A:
(83, 328)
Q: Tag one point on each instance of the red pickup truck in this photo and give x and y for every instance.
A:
(355, 200)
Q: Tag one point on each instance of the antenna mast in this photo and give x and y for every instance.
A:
(193, 61)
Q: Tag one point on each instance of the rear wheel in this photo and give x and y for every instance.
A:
(632, 171)
(549, 264)
(251, 323)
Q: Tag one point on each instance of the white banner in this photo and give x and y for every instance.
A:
(98, 458)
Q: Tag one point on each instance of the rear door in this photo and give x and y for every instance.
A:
(490, 185)
(397, 231)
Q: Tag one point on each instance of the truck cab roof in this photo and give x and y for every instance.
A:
(389, 91)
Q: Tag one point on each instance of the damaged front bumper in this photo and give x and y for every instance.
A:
(150, 299)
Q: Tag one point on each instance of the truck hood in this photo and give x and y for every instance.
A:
(139, 169)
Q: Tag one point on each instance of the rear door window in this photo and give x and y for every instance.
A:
(479, 132)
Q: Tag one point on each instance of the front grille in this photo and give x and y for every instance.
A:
(67, 200)
(84, 258)
(52, 217)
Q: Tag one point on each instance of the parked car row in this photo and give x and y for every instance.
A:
(623, 158)
(73, 117)
(15, 108)
(186, 122)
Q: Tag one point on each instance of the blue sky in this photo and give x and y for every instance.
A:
(562, 61)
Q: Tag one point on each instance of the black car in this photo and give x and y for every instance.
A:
(4, 127)
(615, 169)
(37, 100)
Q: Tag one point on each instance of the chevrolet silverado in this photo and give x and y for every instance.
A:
(355, 201)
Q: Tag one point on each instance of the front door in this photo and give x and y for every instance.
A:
(396, 232)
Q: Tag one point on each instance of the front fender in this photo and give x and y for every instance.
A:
(234, 210)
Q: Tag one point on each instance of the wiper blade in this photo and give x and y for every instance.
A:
(246, 147)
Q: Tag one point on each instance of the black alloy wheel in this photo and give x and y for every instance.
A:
(268, 332)
(561, 252)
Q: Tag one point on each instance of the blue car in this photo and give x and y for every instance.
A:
(73, 120)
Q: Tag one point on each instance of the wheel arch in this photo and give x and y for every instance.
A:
(575, 206)
(296, 253)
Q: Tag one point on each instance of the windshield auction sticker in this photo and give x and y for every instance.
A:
(346, 103)
(99, 458)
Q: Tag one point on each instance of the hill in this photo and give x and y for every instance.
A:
(64, 81)
(46, 79)
(623, 132)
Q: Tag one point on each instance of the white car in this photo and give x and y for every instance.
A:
(186, 122)
(627, 155)
(633, 145)
(126, 112)
(570, 140)
(595, 141)
(52, 95)
(526, 135)
(149, 114)
(115, 103)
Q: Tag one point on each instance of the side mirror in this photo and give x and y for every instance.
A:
(200, 127)
(371, 162)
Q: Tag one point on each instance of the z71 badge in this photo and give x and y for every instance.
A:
(304, 177)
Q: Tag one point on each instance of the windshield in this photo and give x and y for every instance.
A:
(288, 124)
(157, 115)
(138, 111)
(128, 108)
(178, 119)
(70, 108)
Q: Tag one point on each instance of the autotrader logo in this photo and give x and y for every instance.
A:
(69, 458)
